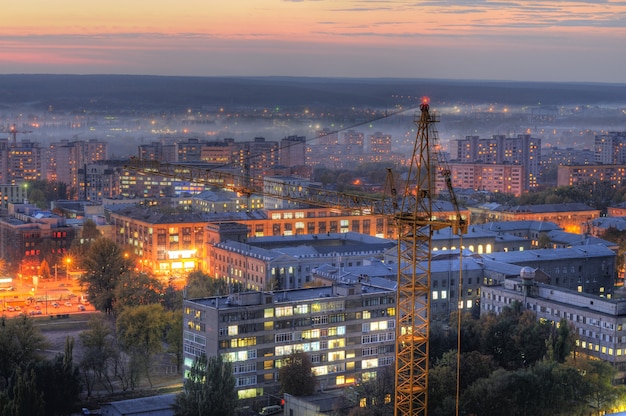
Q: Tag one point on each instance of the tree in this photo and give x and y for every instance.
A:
(99, 353)
(59, 381)
(133, 289)
(140, 332)
(296, 375)
(26, 399)
(378, 394)
(201, 285)
(599, 376)
(174, 335)
(20, 343)
(44, 269)
(104, 263)
(209, 390)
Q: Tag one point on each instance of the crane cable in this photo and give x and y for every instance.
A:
(458, 326)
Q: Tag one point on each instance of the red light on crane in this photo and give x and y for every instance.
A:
(425, 100)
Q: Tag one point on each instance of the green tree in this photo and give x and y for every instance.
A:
(599, 376)
(25, 397)
(20, 343)
(296, 375)
(209, 389)
(561, 342)
(174, 335)
(133, 289)
(59, 381)
(201, 285)
(104, 264)
(140, 331)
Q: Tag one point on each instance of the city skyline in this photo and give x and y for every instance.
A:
(577, 41)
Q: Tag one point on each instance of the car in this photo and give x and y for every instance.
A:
(17, 308)
(55, 304)
(10, 309)
(37, 307)
(35, 312)
(68, 304)
(271, 410)
(81, 307)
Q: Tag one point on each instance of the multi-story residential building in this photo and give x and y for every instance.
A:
(591, 175)
(168, 245)
(522, 150)
(66, 158)
(190, 150)
(276, 191)
(501, 178)
(610, 148)
(380, 147)
(21, 161)
(556, 156)
(218, 152)
(12, 194)
(162, 151)
(96, 182)
(347, 329)
(24, 232)
(292, 151)
(599, 322)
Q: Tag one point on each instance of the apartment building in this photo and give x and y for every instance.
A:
(522, 150)
(500, 178)
(24, 231)
(590, 175)
(347, 329)
(168, 245)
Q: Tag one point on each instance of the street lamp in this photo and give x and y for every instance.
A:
(68, 260)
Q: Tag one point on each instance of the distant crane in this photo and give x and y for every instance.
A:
(416, 221)
(13, 132)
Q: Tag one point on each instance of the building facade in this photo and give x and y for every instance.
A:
(347, 330)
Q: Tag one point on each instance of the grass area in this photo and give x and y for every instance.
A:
(52, 323)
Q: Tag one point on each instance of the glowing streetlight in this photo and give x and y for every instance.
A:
(68, 261)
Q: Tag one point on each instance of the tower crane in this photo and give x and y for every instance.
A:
(412, 212)
(13, 132)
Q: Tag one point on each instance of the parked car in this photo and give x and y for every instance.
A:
(17, 308)
(10, 309)
(271, 410)
(68, 303)
(81, 307)
(55, 304)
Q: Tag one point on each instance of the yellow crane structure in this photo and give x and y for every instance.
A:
(412, 212)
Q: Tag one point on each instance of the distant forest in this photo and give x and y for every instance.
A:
(140, 93)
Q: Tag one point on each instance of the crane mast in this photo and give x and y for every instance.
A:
(412, 212)
(416, 223)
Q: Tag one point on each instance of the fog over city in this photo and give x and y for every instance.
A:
(128, 111)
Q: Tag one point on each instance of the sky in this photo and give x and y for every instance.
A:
(525, 40)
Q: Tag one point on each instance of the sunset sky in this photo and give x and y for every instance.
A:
(535, 40)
